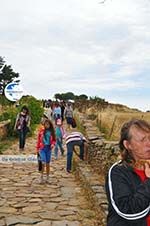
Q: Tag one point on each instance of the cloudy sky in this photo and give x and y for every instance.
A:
(81, 46)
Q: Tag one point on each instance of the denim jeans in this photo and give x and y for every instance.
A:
(22, 138)
(57, 146)
(70, 148)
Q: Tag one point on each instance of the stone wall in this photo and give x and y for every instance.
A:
(101, 155)
(4, 125)
(101, 152)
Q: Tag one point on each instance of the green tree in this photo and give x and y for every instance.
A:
(1, 66)
(1, 62)
(83, 97)
(65, 96)
(35, 108)
(7, 75)
(58, 96)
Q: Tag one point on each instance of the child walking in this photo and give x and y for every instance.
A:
(59, 131)
(45, 143)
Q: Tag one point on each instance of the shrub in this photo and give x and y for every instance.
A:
(10, 114)
(35, 109)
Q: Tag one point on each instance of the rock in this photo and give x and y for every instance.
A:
(51, 205)
(66, 223)
(50, 216)
(66, 213)
(31, 209)
(2, 222)
(2, 202)
(7, 210)
(44, 223)
(12, 220)
(67, 192)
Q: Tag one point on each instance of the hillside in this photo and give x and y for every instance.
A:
(110, 117)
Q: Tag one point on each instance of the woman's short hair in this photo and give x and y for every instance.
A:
(126, 135)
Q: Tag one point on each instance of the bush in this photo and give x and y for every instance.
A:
(35, 108)
(10, 114)
(4, 101)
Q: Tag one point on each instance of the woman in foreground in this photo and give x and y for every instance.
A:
(128, 181)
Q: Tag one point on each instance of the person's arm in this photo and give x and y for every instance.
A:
(53, 141)
(65, 112)
(17, 118)
(38, 142)
(28, 120)
(128, 202)
(85, 151)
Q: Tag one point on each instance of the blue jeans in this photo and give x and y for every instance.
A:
(57, 146)
(22, 138)
(70, 148)
(45, 154)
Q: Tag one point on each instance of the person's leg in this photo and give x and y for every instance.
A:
(24, 137)
(70, 147)
(42, 173)
(60, 146)
(48, 159)
(56, 150)
(47, 171)
(21, 140)
(85, 151)
(81, 150)
(43, 159)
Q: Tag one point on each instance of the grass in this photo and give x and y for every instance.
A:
(113, 121)
(5, 144)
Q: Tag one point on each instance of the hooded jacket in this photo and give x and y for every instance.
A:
(128, 197)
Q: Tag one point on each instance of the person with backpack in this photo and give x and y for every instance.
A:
(68, 113)
(22, 124)
(45, 143)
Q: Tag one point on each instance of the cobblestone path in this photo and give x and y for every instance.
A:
(25, 202)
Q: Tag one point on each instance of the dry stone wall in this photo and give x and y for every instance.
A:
(4, 129)
(101, 155)
(101, 152)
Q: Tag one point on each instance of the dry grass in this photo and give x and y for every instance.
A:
(111, 122)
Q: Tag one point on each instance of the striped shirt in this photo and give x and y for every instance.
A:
(74, 136)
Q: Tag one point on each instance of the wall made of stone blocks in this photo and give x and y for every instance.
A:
(4, 129)
(101, 153)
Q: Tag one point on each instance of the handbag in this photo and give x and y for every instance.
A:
(73, 124)
(39, 163)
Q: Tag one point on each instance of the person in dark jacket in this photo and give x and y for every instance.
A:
(22, 125)
(128, 181)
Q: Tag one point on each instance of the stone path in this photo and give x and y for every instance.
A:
(24, 202)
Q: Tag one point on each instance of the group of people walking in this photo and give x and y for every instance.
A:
(127, 181)
(50, 137)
